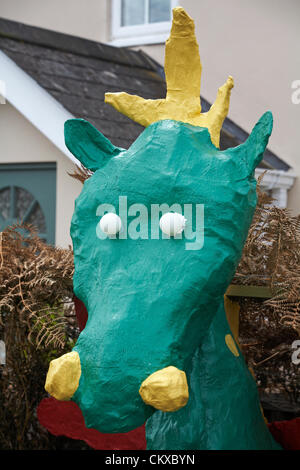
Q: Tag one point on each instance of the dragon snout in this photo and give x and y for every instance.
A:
(63, 376)
(165, 389)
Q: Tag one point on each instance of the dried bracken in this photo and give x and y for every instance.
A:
(35, 280)
(267, 345)
(268, 328)
(271, 257)
(37, 323)
(81, 173)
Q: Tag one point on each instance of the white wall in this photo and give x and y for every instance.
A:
(21, 142)
(85, 18)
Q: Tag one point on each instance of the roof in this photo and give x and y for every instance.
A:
(77, 72)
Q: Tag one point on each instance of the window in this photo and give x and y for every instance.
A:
(28, 194)
(16, 205)
(137, 22)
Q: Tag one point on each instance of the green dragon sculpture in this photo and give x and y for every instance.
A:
(157, 347)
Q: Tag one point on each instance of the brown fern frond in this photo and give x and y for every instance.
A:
(34, 278)
(81, 173)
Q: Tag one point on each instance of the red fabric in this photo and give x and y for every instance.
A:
(287, 433)
(64, 418)
(81, 313)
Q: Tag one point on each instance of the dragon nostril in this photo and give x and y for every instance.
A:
(165, 389)
(63, 376)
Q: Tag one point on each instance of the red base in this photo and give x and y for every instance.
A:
(64, 418)
(287, 433)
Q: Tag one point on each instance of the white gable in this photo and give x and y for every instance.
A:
(35, 103)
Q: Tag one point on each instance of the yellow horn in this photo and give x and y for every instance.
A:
(63, 376)
(166, 389)
(183, 78)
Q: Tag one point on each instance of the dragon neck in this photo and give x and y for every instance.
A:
(223, 411)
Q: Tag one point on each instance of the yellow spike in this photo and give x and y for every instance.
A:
(214, 118)
(231, 345)
(182, 61)
(232, 310)
(183, 78)
(165, 389)
(136, 108)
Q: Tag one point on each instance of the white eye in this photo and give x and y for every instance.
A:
(172, 223)
(110, 223)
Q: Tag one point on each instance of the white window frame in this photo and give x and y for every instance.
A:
(147, 33)
(278, 183)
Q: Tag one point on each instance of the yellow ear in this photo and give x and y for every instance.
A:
(183, 77)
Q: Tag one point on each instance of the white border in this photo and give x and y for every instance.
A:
(35, 103)
(150, 33)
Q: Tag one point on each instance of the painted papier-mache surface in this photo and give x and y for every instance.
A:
(157, 347)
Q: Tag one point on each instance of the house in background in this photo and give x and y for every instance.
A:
(255, 41)
(51, 77)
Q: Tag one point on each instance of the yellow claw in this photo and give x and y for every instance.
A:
(231, 345)
(165, 389)
(63, 376)
(183, 77)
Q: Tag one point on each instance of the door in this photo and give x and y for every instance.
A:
(28, 194)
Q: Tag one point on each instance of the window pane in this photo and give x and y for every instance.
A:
(37, 219)
(159, 10)
(5, 202)
(133, 12)
(23, 201)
